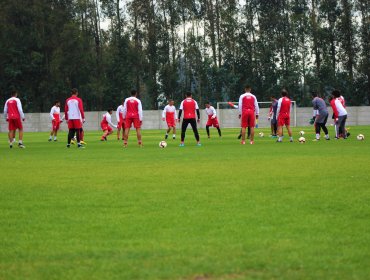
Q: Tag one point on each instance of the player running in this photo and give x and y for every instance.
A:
(55, 120)
(191, 109)
(133, 114)
(14, 115)
(169, 115)
(120, 121)
(283, 115)
(106, 124)
(212, 119)
(74, 111)
(320, 115)
(248, 113)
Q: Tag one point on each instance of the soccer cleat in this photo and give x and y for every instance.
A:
(327, 138)
(242, 142)
(182, 145)
(173, 137)
(68, 145)
(11, 145)
(348, 134)
(83, 142)
(140, 145)
(49, 139)
(252, 142)
(73, 142)
(55, 140)
(199, 144)
(80, 146)
(166, 136)
(279, 141)
(125, 145)
(240, 136)
(291, 140)
(21, 146)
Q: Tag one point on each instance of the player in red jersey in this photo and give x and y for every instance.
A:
(14, 115)
(283, 115)
(169, 115)
(55, 120)
(120, 121)
(106, 124)
(74, 112)
(212, 119)
(191, 110)
(133, 115)
(248, 113)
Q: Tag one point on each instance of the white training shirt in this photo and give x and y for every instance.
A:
(211, 111)
(54, 110)
(169, 109)
(119, 112)
(108, 118)
(340, 108)
(19, 106)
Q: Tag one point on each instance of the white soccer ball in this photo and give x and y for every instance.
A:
(360, 137)
(301, 133)
(162, 144)
(261, 134)
(302, 140)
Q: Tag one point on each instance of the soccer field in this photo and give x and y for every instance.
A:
(219, 211)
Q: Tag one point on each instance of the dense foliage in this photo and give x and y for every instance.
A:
(164, 47)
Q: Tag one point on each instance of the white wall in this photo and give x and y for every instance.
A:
(152, 119)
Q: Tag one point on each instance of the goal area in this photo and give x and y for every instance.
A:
(227, 114)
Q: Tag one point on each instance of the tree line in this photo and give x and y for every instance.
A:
(163, 48)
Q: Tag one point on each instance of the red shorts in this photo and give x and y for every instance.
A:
(248, 119)
(15, 124)
(213, 122)
(106, 127)
(120, 124)
(284, 120)
(76, 124)
(130, 121)
(171, 123)
(55, 124)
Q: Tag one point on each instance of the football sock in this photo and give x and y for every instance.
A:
(317, 136)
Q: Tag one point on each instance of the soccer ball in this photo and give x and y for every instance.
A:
(261, 134)
(162, 144)
(302, 140)
(360, 137)
(301, 133)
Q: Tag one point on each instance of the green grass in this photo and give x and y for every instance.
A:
(220, 211)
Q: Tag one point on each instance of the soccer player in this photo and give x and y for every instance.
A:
(55, 120)
(240, 133)
(120, 121)
(320, 114)
(74, 111)
(14, 115)
(340, 114)
(212, 119)
(133, 114)
(248, 113)
(272, 116)
(169, 115)
(283, 115)
(105, 124)
(191, 110)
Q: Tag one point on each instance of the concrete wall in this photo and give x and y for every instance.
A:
(152, 119)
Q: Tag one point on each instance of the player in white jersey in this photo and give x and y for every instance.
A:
(120, 121)
(212, 119)
(169, 115)
(56, 120)
(106, 124)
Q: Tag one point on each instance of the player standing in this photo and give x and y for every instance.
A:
(283, 115)
(320, 115)
(248, 113)
(105, 124)
(169, 115)
(191, 110)
(133, 114)
(272, 116)
(120, 121)
(212, 119)
(74, 111)
(14, 115)
(55, 120)
(340, 114)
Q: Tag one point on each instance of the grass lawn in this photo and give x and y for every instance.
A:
(220, 211)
